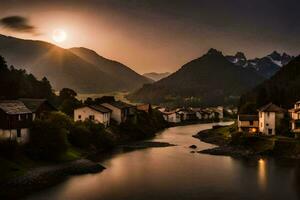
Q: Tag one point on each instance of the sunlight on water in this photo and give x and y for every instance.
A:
(174, 173)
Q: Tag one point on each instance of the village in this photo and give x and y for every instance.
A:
(270, 120)
(16, 115)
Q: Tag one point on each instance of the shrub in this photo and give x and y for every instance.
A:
(86, 134)
(80, 136)
(48, 136)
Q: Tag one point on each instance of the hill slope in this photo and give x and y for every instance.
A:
(156, 76)
(282, 89)
(129, 78)
(62, 67)
(209, 80)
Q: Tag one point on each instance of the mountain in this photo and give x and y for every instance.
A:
(156, 76)
(61, 66)
(128, 78)
(282, 89)
(266, 66)
(208, 80)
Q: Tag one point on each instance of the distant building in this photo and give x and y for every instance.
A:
(295, 118)
(97, 114)
(172, 116)
(15, 119)
(120, 111)
(38, 106)
(187, 114)
(248, 123)
(270, 116)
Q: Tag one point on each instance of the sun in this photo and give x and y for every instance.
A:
(59, 35)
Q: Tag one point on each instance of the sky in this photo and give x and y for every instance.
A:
(159, 35)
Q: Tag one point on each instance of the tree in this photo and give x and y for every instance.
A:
(67, 93)
(68, 101)
(48, 136)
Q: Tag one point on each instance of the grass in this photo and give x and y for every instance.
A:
(71, 154)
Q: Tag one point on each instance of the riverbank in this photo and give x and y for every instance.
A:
(41, 177)
(45, 176)
(232, 143)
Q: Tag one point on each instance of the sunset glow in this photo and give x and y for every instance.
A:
(59, 35)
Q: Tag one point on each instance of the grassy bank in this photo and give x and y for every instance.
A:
(233, 143)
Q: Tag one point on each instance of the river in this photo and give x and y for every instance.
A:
(174, 173)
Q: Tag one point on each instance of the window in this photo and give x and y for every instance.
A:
(18, 133)
(79, 116)
(267, 124)
(92, 117)
(268, 114)
(251, 123)
(270, 131)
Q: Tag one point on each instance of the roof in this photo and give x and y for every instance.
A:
(270, 107)
(120, 104)
(169, 112)
(14, 107)
(34, 104)
(248, 117)
(295, 110)
(100, 108)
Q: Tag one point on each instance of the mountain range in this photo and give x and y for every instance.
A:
(209, 80)
(78, 68)
(282, 89)
(156, 76)
(266, 66)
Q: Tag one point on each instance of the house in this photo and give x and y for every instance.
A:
(198, 112)
(120, 111)
(187, 114)
(295, 118)
(172, 116)
(219, 112)
(15, 119)
(96, 113)
(248, 123)
(38, 106)
(270, 116)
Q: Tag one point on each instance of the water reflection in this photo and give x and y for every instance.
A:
(176, 174)
(262, 174)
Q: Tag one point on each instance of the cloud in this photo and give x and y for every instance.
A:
(17, 23)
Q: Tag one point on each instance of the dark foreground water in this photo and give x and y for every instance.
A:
(174, 173)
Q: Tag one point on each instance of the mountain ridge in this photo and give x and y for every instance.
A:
(61, 66)
(211, 79)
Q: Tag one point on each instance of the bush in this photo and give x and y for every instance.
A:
(48, 136)
(87, 134)
(80, 136)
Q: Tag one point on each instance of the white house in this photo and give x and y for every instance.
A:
(96, 113)
(295, 117)
(120, 111)
(15, 119)
(172, 116)
(270, 116)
